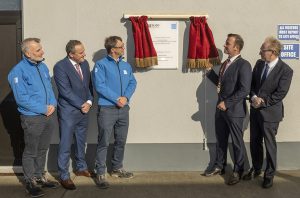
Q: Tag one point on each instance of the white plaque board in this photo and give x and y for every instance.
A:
(165, 39)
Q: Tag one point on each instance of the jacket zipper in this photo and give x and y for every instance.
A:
(43, 84)
(120, 78)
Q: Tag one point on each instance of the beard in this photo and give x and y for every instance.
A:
(37, 59)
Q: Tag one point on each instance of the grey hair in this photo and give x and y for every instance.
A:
(70, 47)
(25, 43)
(274, 45)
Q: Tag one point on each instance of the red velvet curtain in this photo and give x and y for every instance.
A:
(145, 53)
(202, 49)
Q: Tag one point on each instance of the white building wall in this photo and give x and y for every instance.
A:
(169, 105)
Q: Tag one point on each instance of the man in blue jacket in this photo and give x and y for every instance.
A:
(115, 84)
(31, 85)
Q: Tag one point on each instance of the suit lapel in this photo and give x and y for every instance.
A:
(230, 67)
(259, 72)
(73, 70)
(228, 70)
(272, 73)
(274, 70)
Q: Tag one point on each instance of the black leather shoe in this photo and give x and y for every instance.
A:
(214, 171)
(222, 172)
(267, 183)
(252, 174)
(234, 178)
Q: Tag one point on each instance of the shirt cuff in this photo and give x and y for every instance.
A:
(89, 102)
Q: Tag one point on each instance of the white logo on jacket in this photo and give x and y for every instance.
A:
(125, 72)
(16, 80)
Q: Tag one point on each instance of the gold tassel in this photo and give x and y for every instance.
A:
(146, 62)
(202, 63)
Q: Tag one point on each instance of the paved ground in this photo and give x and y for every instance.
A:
(166, 185)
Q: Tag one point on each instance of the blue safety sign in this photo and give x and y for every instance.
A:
(288, 32)
(290, 51)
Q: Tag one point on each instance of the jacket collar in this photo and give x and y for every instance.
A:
(272, 73)
(112, 59)
(30, 62)
(232, 59)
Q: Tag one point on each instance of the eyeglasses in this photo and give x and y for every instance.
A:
(266, 50)
(121, 47)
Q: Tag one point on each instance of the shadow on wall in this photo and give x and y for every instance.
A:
(207, 98)
(98, 55)
(55, 133)
(130, 43)
(12, 125)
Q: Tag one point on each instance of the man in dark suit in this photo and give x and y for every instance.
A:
(72, 77)
(233, 85)
(271, 80)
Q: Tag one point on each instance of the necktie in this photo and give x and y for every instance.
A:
(223, 68)
(79, 71)
(264, 76)
(221, 73)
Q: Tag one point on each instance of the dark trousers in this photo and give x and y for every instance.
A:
(111, 119)
(224, 126)
(70, 126)
(37, 136)
(259, 131)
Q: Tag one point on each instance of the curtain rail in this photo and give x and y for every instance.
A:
(166, 16)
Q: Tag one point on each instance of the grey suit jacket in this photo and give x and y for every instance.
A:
(272, 91)
(235, 87)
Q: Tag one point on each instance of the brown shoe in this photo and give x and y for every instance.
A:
(68, 184)
(85, 173)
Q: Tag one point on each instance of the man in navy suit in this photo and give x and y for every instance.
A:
(72, 77)
(271, 80)
(233, 85)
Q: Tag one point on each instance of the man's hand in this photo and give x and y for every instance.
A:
(50, 110)
(257, 102)
(222, 106)
(85, 107)
(122, 101)
(206, 71)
